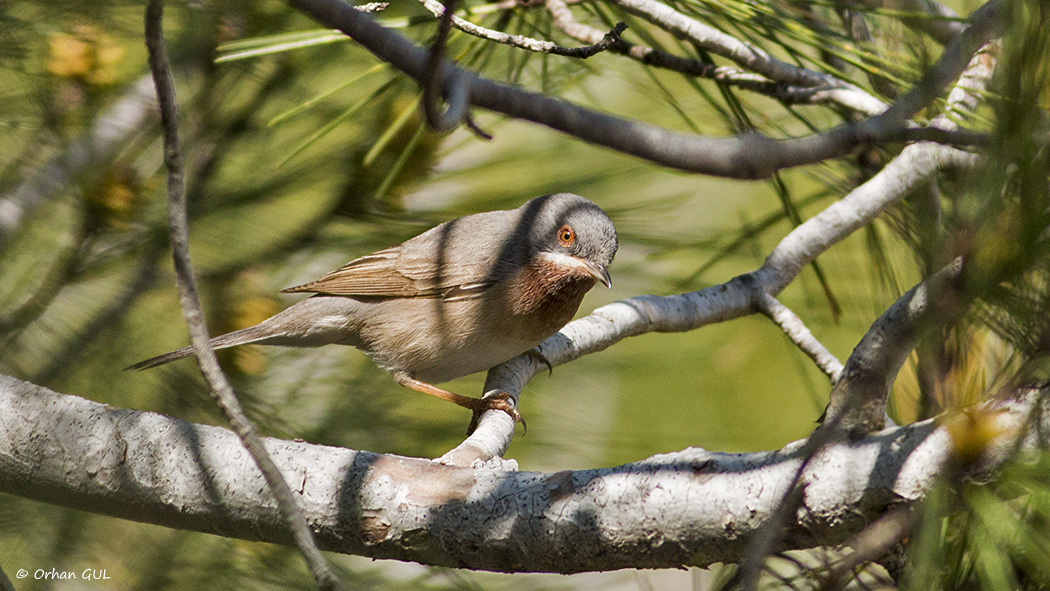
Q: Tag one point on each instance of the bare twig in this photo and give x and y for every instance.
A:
(749, 155)
(458, 92)
(603, 42)
(796, 330)
(220, 387)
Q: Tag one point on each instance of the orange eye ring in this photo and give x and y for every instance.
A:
(566, 235)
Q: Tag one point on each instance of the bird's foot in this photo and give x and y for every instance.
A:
(497, 400)
(538, 356)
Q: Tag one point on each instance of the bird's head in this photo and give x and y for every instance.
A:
(573, 232)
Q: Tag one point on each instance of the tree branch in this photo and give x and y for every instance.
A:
(563, 19)
(686, 508)
(749, 155)
(867, 380)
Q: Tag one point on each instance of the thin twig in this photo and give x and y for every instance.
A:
(472, 125)
(220, 387)
(458, 91)
(796, 330)
(523, 42)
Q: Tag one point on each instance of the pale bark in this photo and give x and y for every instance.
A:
(691, 507)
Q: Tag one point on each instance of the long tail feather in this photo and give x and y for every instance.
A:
(245, 336)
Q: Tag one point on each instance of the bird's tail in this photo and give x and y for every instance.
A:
(245, 336)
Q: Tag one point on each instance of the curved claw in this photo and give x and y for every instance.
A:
(538, 356)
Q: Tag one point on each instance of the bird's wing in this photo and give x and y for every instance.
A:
(376, 274)
(446, 261)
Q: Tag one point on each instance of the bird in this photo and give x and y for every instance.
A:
(460, 298)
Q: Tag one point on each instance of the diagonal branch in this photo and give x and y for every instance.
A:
(861, 394)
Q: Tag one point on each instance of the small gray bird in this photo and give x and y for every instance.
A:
(459, 298)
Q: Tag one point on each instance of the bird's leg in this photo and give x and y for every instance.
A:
(498, 401)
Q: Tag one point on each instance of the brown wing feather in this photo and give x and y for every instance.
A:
(453, 259)
(371, 275)
(378, 275)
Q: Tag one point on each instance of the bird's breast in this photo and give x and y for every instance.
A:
(545, 295)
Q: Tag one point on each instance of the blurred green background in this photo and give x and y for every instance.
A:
(300, 160)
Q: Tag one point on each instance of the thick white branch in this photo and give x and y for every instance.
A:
(692, 507)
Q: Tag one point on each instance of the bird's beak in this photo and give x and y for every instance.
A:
(599, 272)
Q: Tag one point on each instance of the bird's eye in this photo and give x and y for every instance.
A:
(566, 236)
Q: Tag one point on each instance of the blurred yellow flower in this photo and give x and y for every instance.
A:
(86, 54)
(973, 430)
(115, 197)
